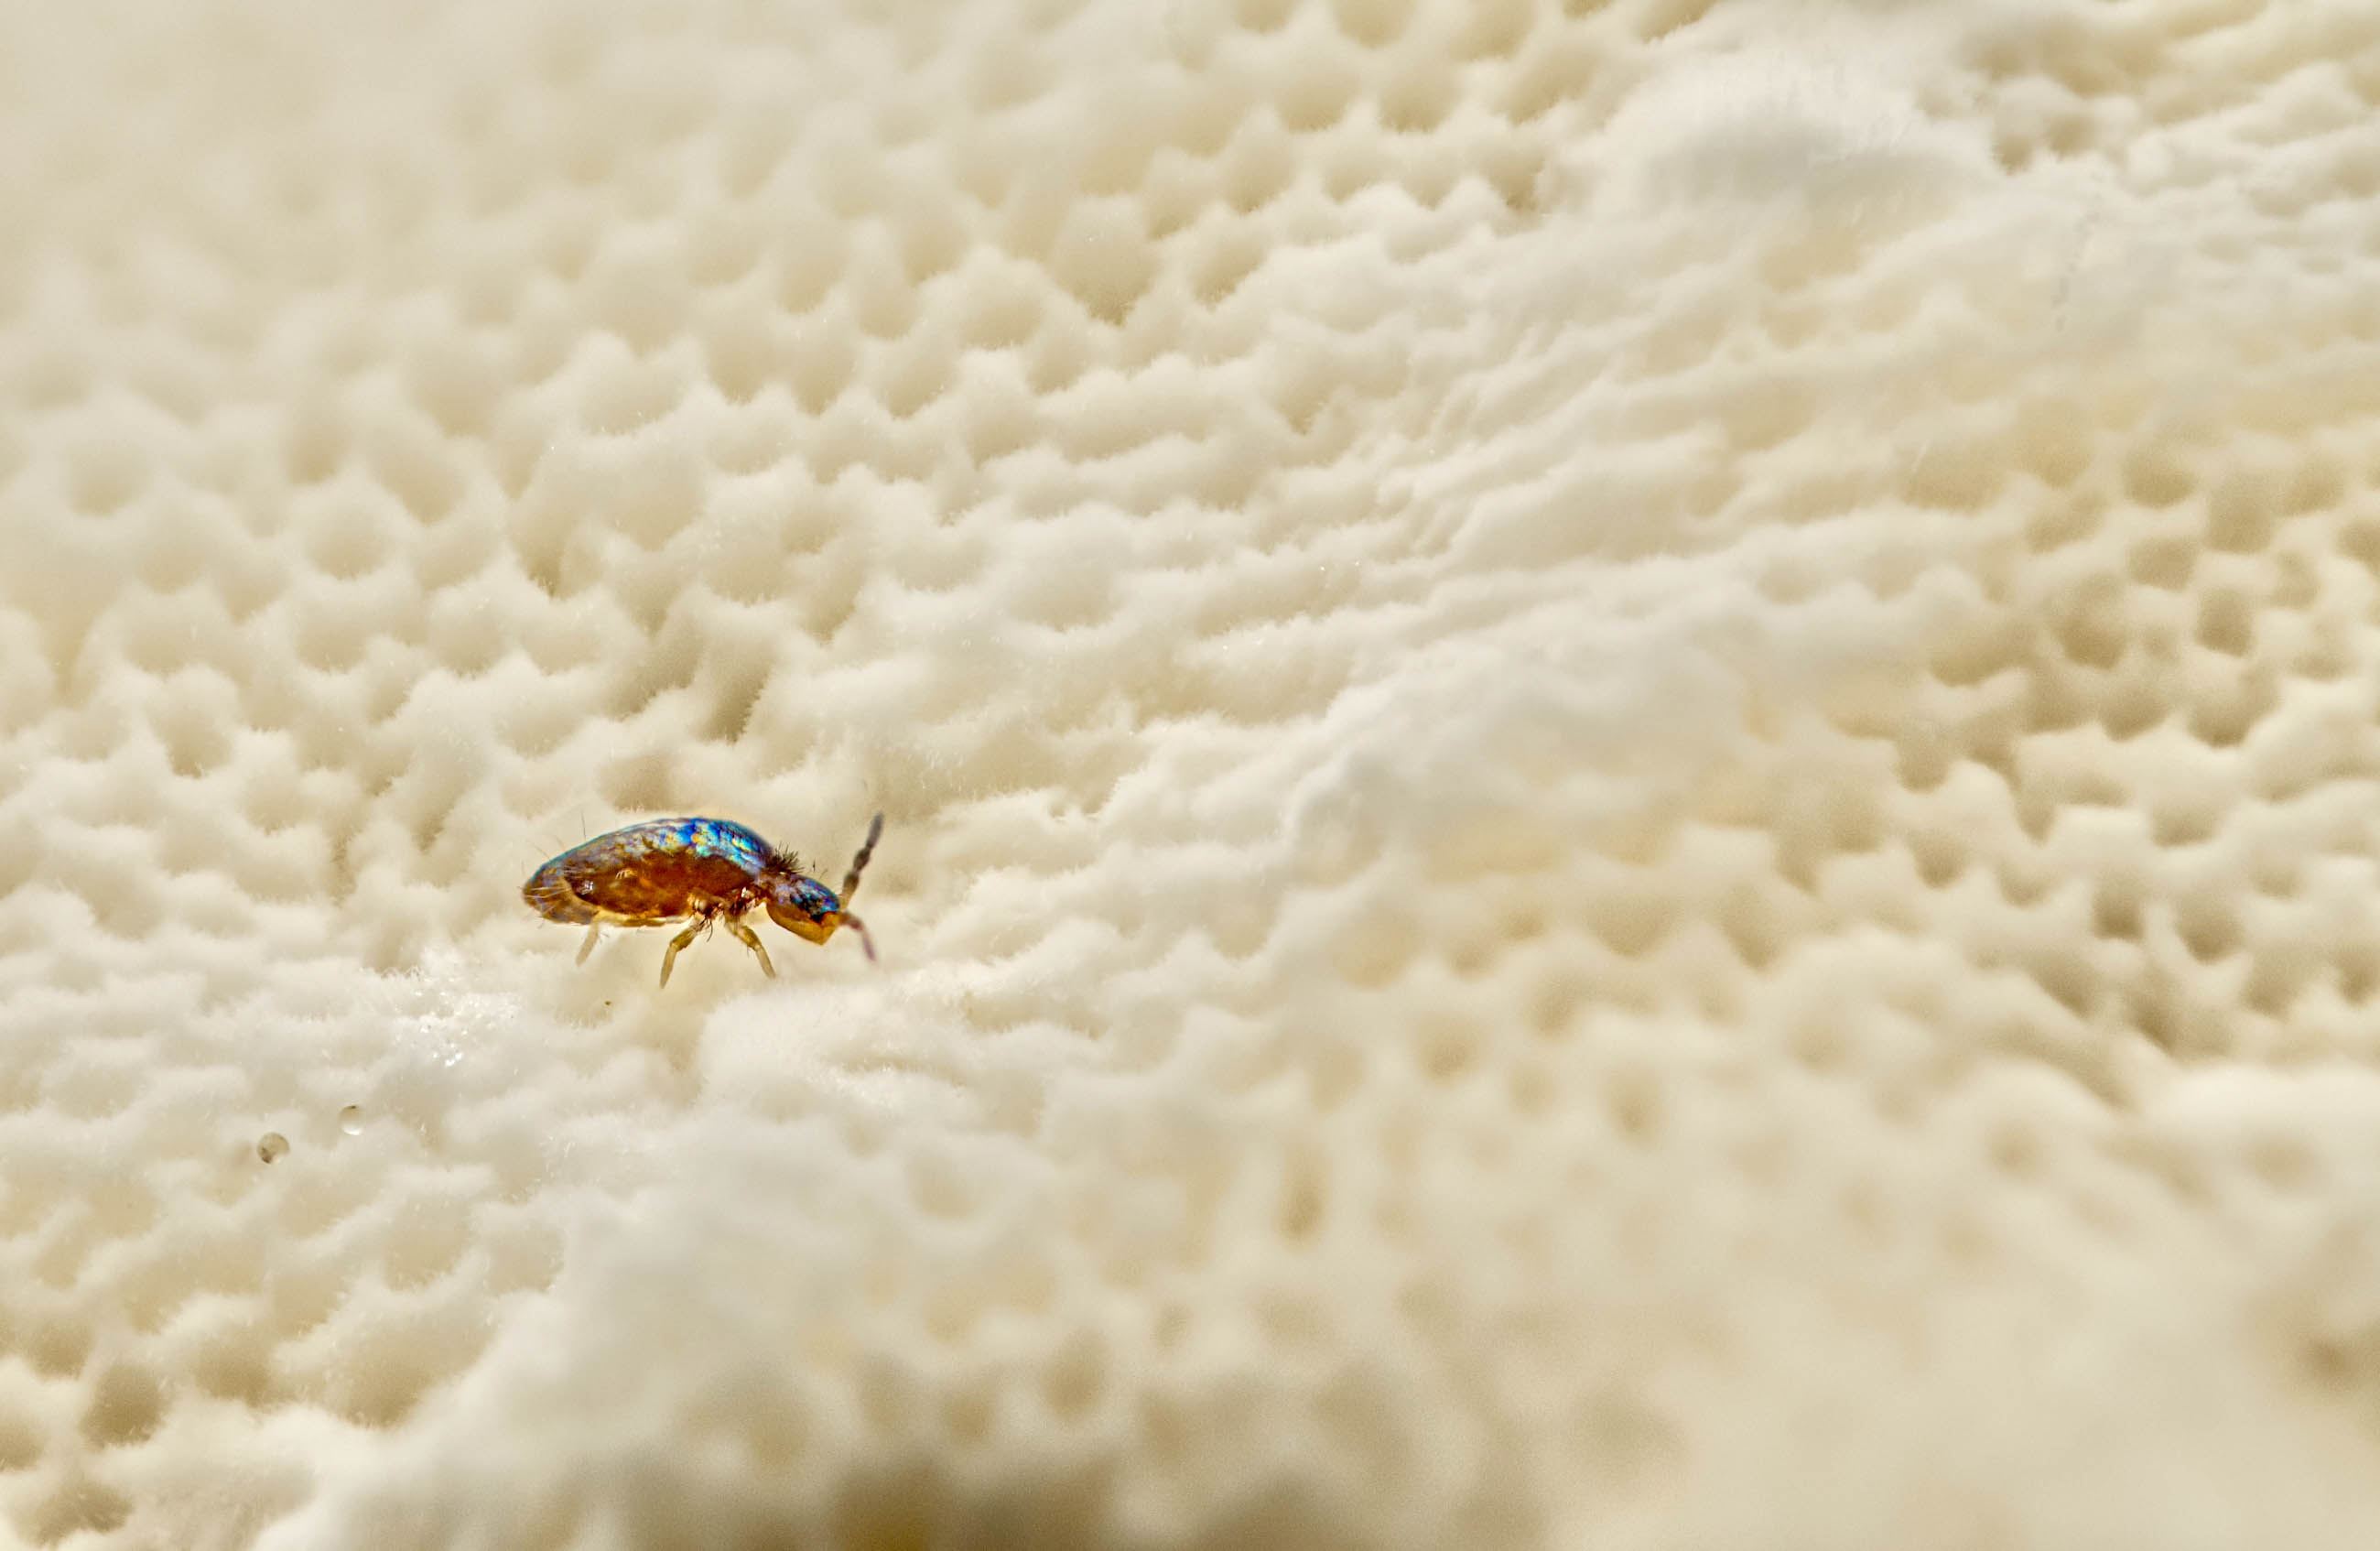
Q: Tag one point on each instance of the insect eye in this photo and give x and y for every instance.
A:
(807, 900)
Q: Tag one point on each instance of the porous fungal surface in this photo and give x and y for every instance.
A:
(1629, 751)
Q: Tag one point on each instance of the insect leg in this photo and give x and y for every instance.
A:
(859, 863)
(693, 931)
(745, 935)
(861, 927)
(588, 945)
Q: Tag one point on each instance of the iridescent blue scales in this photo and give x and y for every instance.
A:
(711, 870)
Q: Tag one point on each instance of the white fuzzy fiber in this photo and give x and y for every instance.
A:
(1630, 758)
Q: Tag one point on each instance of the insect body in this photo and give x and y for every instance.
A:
(709, 868)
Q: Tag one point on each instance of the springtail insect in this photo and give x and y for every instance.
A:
(666, 869)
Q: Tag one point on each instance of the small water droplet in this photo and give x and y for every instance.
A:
(270, 1146)
(351, 1119)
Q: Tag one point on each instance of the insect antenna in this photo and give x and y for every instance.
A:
(859, 865)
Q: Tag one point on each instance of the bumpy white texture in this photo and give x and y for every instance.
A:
(1631, 757)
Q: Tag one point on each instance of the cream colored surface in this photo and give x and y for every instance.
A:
(1631, 759)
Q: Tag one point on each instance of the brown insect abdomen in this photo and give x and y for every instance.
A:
(548, 893)
(657, 886)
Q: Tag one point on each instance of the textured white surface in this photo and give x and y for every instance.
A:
(1630, 755)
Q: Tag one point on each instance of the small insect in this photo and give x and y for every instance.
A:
(666, 869)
